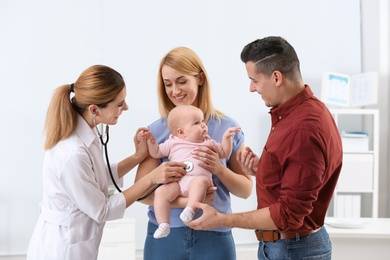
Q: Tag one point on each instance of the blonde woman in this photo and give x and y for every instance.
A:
(182, 80)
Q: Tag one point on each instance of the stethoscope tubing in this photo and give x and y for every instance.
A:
(104, 143)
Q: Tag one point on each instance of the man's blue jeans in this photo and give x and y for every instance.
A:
(315, 246)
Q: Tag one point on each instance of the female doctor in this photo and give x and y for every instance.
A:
(75, 204)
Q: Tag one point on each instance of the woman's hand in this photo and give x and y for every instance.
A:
(168, 172)
(209, 199)
(209, 158)
(248, 161)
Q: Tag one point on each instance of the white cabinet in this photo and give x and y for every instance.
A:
(118, 241)
(369, 242)
(356, 194)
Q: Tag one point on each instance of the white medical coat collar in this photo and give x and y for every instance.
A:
(87, 134)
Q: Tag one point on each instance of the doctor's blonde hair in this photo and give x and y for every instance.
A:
(98, 85)
(185, 60)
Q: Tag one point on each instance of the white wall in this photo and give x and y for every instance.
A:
(375, 56)
(44, 44)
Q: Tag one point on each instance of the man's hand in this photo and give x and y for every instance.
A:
(210, 218)
(248, 161)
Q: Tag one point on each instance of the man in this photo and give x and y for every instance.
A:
(300, 163)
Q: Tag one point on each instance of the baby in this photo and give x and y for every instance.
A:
(188, 131)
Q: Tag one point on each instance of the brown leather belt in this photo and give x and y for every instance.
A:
(273, 235)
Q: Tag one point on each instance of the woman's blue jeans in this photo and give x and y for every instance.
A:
(184, 243)
(315, 246)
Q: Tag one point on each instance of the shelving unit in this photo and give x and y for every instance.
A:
(356, 193)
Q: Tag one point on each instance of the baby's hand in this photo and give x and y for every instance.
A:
(151, 138)
(231, 131)
(146, 135)
(141, 148)
(142, 135)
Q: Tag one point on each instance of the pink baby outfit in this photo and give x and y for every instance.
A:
(180, 150)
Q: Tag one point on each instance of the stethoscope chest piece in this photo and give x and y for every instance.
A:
(189, 167)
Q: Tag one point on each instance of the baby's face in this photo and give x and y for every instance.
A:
(194, 127)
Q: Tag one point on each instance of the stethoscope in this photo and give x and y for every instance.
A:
(104, 143)
(189, 165)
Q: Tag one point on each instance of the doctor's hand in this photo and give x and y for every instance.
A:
(168, 172)
(210, 218)
(248, 161)
(139, 139)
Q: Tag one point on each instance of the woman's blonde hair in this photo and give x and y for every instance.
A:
(98, 85)
(186, 61)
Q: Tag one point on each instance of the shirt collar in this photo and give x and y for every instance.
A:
(85, 132)
(284, 109)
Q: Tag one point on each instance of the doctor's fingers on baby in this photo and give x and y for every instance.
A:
(141, 134)
(145, 134)
(170, 171)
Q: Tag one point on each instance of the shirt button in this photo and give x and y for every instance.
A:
(273, 128)
(280, 117)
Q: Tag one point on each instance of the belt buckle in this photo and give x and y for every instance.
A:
(275, 235)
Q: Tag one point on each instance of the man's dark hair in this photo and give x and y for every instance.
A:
(270, 54)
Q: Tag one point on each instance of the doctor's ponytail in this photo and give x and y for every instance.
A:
(98, 85)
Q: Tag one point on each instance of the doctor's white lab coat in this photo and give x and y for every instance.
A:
(75, 204)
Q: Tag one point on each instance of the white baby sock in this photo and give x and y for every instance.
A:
(187, 214)
(162, 230)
